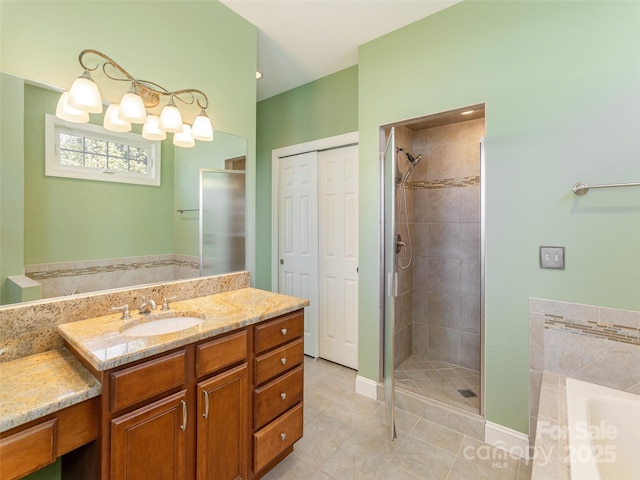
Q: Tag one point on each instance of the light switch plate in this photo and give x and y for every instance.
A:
(552, 257)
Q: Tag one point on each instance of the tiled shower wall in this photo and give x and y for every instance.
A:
(595, 344)
(446, 224)
(403, 331)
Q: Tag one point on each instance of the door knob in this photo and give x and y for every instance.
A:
(282, 261)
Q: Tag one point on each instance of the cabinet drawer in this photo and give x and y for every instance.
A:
(278, 331)
(276, 437)
(136, 384)
(27, 451)
(277, 397)
(221, 352)
(274, 363)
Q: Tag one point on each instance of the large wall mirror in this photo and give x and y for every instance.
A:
(81, 236)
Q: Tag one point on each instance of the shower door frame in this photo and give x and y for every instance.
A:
(383, 279)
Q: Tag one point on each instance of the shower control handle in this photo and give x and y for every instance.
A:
(400, 244)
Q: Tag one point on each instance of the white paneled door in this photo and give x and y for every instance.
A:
(338, 255)
(298, 237)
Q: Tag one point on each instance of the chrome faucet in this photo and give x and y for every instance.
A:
(147, 306)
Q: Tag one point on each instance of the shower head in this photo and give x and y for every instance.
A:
(414, 160)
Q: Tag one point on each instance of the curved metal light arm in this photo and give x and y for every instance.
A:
(149, 91)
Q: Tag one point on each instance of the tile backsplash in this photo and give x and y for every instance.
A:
(30, 328)
(596, 344)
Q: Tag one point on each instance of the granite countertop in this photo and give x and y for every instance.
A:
(99, 341)
(38, 385)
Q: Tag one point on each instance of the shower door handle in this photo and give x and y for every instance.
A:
(392, 284)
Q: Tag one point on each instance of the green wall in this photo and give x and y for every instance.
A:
(70, 219)
(11, 182)
(179, 44)
(188, 162)
(319, 109)
(561, 82)
(205, 46)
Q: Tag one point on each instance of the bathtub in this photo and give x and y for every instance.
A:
(604, 432)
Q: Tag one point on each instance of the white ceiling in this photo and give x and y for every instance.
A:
(302, 40)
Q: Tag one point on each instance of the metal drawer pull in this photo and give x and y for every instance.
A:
(283, 360)
(183, 427)
(283, 436)
(283, 331)
(206, 405)
(283, 396)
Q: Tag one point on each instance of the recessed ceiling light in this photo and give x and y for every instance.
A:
(468, 112)
(258, 75)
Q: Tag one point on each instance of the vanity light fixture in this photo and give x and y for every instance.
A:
(141, 104)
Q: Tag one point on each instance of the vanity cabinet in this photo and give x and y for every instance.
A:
(226, 408)
(31, 446)
(223, 425)
(277, 389)
(151, 442)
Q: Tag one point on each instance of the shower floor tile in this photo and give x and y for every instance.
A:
(440, 381)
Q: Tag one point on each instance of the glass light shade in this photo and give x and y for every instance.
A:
(151, 129)
(184, 138)
(70, 114)
(170, 118)
(84, 94)
(132, 108)
(202, 128)
(112, 120)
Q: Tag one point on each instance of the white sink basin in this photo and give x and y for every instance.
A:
(162, 326)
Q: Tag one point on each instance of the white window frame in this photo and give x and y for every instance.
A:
(53, 168)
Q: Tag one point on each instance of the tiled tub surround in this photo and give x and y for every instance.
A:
(552, 441)
(596, 344)
(59, 279)
(31, 328)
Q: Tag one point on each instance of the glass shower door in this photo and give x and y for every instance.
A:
(390, 274)
(222, 221)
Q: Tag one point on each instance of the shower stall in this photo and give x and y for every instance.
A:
(433, 257)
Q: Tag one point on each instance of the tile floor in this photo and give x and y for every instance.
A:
(346, 438)
(440, 381)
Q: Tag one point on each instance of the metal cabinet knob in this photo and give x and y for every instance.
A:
(283, 360)
(283, 331)
(283, 436)
(283, 396)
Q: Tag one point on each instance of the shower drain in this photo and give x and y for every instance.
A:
(467, 393)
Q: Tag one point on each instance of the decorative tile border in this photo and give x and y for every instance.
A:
(614, 333)
(445, 183)
(442, 183)
(116, 267)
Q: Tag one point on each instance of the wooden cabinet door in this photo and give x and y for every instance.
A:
(151, 442)
(223, 425)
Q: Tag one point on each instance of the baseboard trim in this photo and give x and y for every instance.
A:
(366, 387)
(504, 438)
